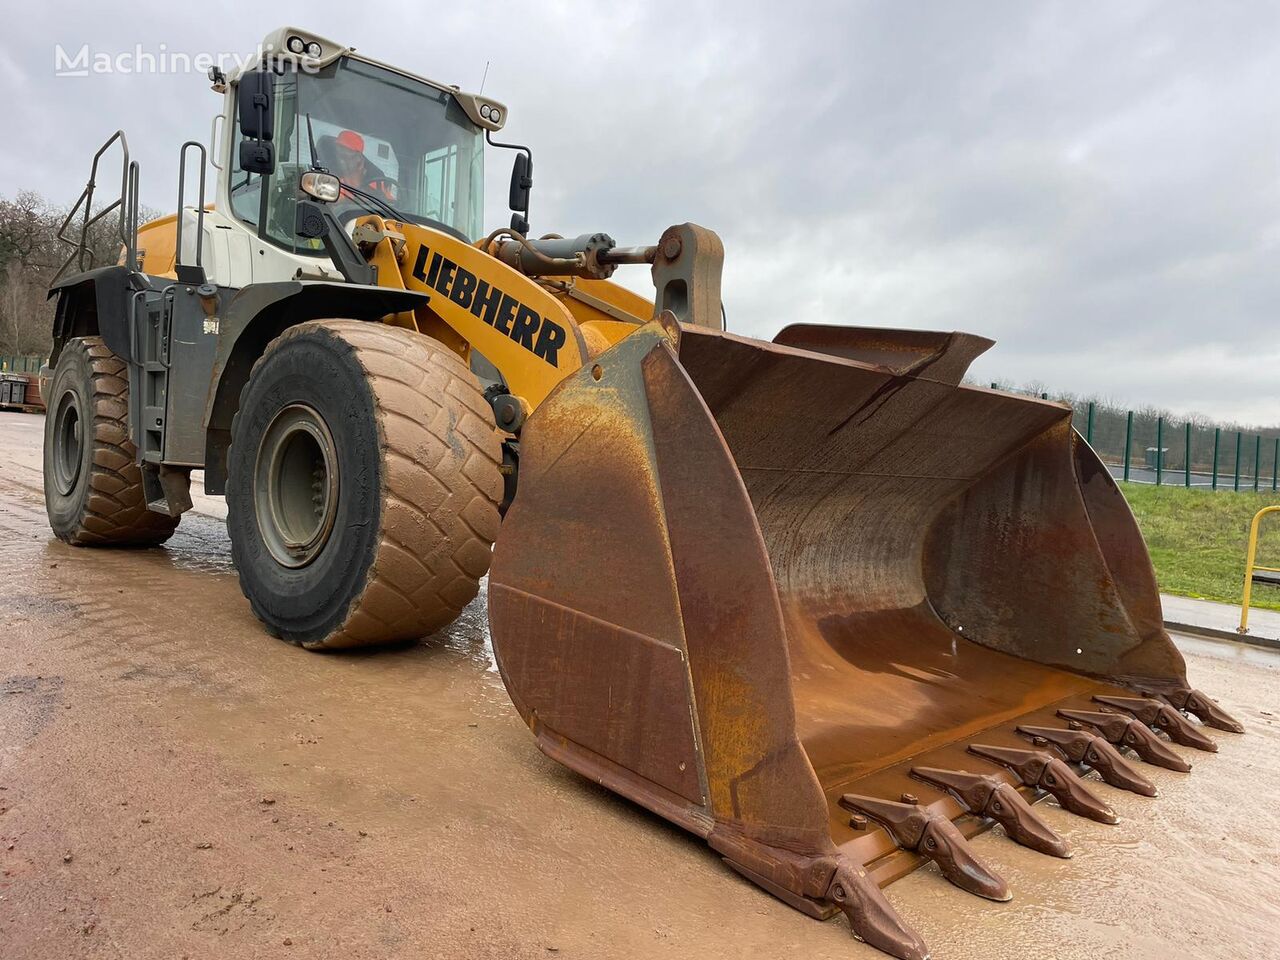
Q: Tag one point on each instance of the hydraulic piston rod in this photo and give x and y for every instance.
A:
(591, 255)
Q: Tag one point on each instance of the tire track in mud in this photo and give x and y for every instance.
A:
(172, 618)
(136, 613)
(163, 633)
(27, 705)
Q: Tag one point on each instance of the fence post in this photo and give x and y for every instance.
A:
(1257, 460)
(1239, 440)
(1187, 465)
(1160, 449)
(1128, 443)
(1088, 427)
(1217, 442)
(1275, 466)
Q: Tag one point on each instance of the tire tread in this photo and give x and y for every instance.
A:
(434, 426)
(115, 511)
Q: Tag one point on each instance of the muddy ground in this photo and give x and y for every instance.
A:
(175, 783)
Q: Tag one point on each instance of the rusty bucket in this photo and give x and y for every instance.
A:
(826, 607)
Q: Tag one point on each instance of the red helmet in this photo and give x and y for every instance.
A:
(351, 140)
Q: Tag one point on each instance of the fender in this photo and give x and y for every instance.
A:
(257, 315)
(96, 302)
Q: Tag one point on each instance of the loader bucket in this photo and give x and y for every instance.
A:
(776, 592)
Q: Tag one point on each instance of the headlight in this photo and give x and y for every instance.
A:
(296, 45)
(313, 50)
(321, 186)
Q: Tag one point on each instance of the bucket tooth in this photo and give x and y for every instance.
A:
(1044, 771)
(988, 796)
(1205, 709)
(872, 918)
(1080, 746)
(935, 837)
(1160, 716)
(1127, 732)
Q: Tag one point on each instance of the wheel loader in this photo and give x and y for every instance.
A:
(817, 600)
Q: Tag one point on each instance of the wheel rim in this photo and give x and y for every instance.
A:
(296, 485)
(68, 443)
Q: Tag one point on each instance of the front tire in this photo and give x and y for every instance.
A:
(92, 482)
(363, 485)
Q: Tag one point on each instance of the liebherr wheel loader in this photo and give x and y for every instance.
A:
(816, 601)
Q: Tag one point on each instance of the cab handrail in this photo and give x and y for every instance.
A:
(127, 203)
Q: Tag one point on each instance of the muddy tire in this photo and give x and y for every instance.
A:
(92, 482)
(363, 485)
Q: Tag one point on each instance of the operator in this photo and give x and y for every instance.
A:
(353, 167)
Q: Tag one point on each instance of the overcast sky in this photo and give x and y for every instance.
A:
(1093, 185)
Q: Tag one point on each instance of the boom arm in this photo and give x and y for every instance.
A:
(477, 302)
(486, 299)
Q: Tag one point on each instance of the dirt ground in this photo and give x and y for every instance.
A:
(175, 783)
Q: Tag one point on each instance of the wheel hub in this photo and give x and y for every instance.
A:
(68, 446)
(296, 485)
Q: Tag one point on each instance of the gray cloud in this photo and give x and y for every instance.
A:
(1093, 184)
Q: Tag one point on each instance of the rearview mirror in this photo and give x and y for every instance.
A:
(255, 104)
(255, 100)
(257, 156)
(521, 181)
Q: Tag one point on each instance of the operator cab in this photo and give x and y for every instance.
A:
(400, 145)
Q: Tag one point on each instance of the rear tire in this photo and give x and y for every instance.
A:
(92, 483)
(363, 485)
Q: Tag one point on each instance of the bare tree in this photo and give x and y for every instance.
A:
(30, 256)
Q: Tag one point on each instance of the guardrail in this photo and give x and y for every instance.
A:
(82, 255)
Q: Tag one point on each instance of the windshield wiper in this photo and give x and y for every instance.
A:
(375, 203)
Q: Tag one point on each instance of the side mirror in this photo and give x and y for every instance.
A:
(257, 156)
(255, 101)
(521, 182)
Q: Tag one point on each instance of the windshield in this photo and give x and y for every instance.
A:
(400, 140)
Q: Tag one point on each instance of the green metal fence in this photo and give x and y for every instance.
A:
(1150, 446)
(1162, 450)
